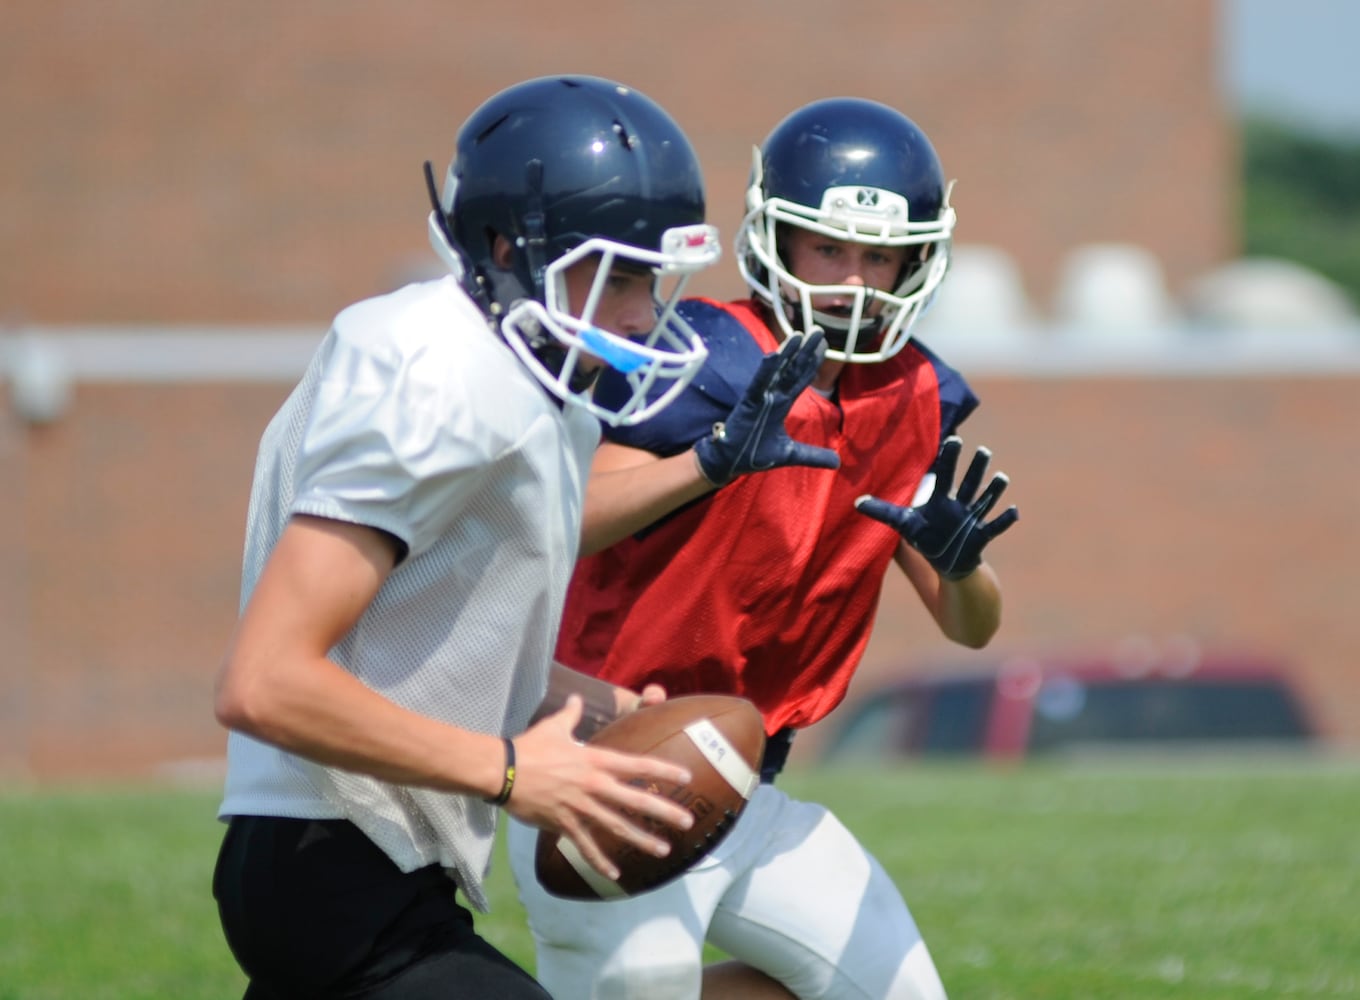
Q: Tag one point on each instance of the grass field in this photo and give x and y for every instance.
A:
(1203, 880)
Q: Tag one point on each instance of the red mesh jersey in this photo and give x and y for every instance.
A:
(768, 587)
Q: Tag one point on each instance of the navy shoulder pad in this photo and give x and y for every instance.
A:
(732, 360)
(957, 399)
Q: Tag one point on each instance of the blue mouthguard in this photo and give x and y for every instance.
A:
(612, 351)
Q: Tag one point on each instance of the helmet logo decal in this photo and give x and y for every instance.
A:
(866, 198)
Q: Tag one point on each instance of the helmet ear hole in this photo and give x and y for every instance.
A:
(502, 250)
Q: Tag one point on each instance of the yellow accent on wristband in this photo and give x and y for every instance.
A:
(509, 782)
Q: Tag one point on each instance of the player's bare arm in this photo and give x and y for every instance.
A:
(602, 702)
(277, 684)
(968, 611)
(631, 488)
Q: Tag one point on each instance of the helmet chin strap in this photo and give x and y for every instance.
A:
(553, 356)
(534, 245)
(534, 242)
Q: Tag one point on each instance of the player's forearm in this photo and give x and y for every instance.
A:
(277, 683)
(623, 501)
(603, 702)
(969, 610)
(320, 711)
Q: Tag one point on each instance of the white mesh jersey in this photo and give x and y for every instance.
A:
(415, 418)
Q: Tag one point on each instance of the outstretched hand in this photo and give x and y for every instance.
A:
(573, 788)
(949, 530)
(753, 438)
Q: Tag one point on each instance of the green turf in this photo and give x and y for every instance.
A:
(1205, 881)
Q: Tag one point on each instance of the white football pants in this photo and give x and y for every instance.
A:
(789, 891)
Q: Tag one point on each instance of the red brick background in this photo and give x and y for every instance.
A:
(261, 161)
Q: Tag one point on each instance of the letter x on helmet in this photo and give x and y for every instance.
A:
(857, 170)
(566, 169)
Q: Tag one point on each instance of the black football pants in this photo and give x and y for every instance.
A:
(314, 909)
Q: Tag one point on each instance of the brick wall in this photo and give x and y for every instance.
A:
(260, 162)
(123, 585)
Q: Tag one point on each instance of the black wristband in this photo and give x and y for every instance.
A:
(509, 782)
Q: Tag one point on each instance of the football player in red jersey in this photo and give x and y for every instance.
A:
(738, 542)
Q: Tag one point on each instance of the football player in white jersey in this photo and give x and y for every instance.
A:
(414, 520)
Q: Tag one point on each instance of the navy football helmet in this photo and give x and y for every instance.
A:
(856, 170)
(571, 168)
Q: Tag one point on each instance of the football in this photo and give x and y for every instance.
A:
(720, 739)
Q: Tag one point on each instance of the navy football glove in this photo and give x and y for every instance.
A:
(949, 530)
(752, 438)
